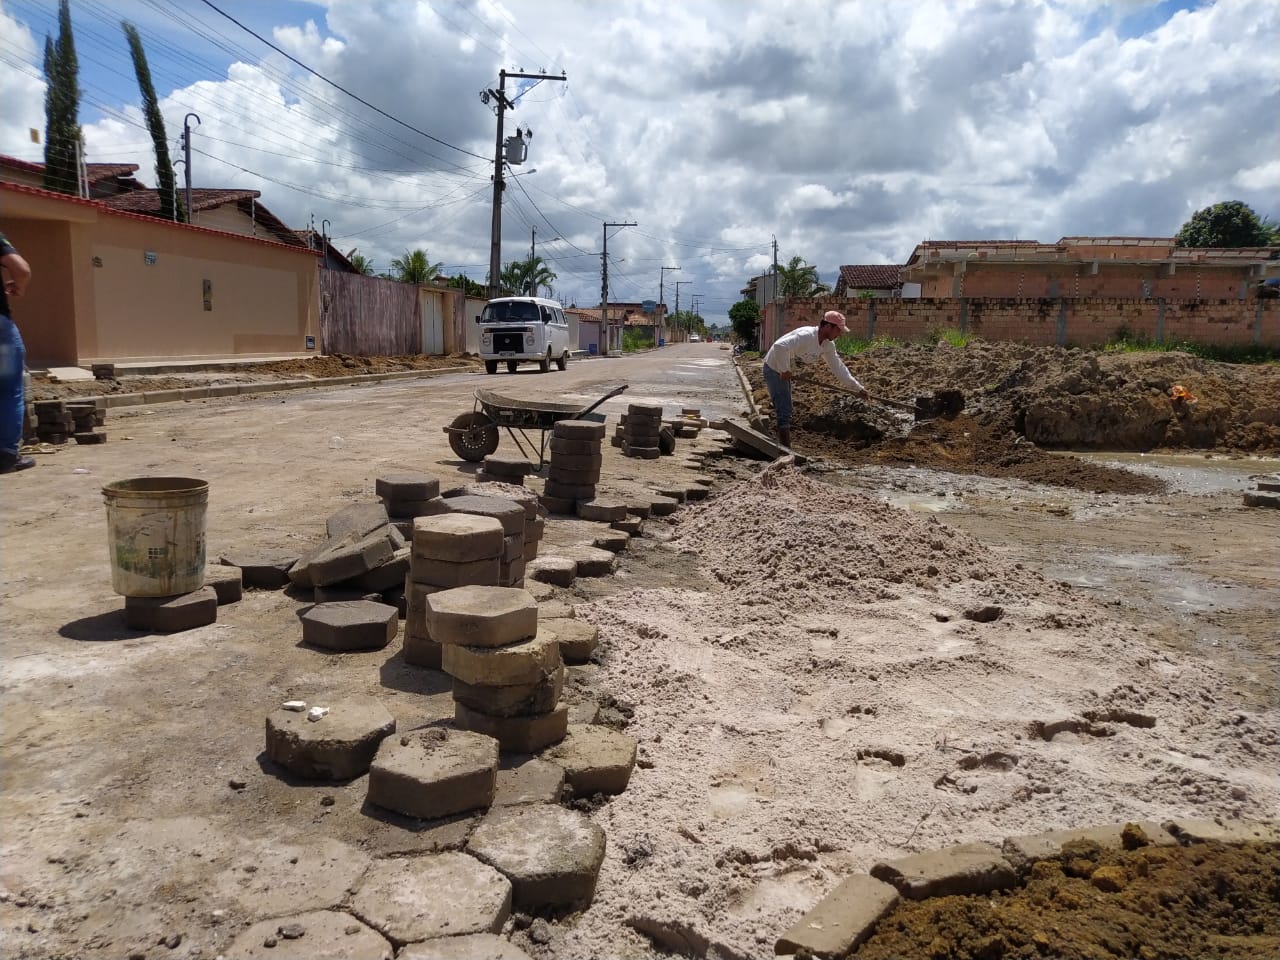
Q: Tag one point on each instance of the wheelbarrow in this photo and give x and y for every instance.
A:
(473, 436)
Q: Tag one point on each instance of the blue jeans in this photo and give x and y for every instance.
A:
(12, 410)
(780, 394)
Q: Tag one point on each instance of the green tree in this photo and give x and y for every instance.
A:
(800, 279)
(1273, 231)
(744, 318)
(526, 277)
(468, 286)
(415, 267)
(1227, 224)
(62, 137)
(170, 207)
(361, 263)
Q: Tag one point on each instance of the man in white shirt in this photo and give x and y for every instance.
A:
(805, 344)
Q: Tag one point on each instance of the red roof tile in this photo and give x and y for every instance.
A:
(147, 200)
(871, 276)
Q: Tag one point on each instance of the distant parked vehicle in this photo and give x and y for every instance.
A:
(694, 338)
(513, 329)
(1269, 287)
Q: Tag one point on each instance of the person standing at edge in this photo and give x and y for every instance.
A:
(12, 360)
(805, 344)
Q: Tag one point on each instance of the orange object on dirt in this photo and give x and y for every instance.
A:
(1179, 392)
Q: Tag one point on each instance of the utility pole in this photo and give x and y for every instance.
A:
(773, 295)
(679, 284)
(533, 253)
(186, 161)
(502, 105)
(604, 285)
(662, 276)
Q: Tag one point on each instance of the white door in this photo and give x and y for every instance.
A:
(430, 308)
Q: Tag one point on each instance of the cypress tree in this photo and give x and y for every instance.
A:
(170, 206)
(61, 107)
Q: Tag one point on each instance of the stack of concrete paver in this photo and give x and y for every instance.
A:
(408, 496)
(534, 520)
(574, 469)
(449, 550)
(640, 431)
(1267, 493)
(507, 675)
(364, 558)
(511, 470)
(514, 515)
(690, 423)
(57, 421)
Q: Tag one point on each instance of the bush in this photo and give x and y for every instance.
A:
(1125, 341)
(850, 345)
(633, 340)
(957, 338)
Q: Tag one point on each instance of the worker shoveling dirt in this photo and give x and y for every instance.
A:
(877, 418)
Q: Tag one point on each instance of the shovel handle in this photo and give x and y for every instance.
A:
(893, 403)
(871, 396)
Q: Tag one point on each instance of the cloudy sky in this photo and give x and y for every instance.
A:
(848, 131)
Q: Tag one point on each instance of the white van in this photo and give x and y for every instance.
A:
(523, 328)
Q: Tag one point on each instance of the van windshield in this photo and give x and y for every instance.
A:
(514, 311)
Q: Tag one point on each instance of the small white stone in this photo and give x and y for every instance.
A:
(297, 706)
(317, 713)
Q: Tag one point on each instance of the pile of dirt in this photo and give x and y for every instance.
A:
(216, 372)
(1153, 903)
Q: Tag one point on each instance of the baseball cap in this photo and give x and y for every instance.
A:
(836, 317)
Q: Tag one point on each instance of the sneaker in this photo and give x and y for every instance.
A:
(12, 462)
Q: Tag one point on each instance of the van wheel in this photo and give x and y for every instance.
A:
(491, 366)
(545, 363)
(511, 366)
(562, 361)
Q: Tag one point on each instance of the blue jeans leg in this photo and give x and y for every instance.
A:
(12, 410)
(780, 394)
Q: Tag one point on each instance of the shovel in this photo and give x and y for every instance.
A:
(942, 403)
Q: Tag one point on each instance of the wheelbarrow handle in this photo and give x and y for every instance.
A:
(608, 396)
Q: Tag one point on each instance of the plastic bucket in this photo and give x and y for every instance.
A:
(155, 533)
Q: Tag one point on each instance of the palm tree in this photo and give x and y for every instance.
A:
(414, 267)
(538, 275)
(361, 263)
(513, 278)
(800, 279)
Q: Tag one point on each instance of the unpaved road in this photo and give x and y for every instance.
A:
(741, 649)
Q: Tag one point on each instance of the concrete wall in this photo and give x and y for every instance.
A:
(1076, 322)
(1122, 280)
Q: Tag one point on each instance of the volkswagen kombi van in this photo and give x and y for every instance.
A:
(523, 329)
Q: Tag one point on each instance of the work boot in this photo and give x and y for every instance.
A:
(784, 437)
(13, 462)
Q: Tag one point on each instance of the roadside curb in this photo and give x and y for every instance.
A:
(754, 411)
(109, 401)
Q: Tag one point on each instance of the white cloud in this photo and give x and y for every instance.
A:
(850, 130)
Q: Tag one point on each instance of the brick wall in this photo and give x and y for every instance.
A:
(1138, 281)
(1085, 321)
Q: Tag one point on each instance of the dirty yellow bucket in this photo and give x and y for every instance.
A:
(155, 531)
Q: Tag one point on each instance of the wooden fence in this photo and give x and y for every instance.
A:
(367, 316)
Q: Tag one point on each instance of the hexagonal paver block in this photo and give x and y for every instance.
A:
(661, 506)
(602, 509)
(450, 574)
(482, 616)
(519, 734)
(406, 486)
(615, 541)
(530, 781)
(632, 526)
(507, 512)
(338, 746)
(265, 573)
(504, 491)
(350, 625)
(558, 571)
(227, 582)
(457, 537)
(477, 946)
(578, 638)
(578, 430)
(501, 466)
(595, 759)
(320, 935)
(525, 662)
(591, 561)
(186, 611)
(356, 519)
(434, 773)
(551, 855)
(437, 895)
(525, 699)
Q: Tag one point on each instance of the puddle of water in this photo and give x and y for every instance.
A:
(1164, 581)
(1191, 473)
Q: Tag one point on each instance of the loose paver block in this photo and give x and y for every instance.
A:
(557, 490)
(583, 712)
(186, 611)
(578, 430)
(264, 573)
(434, 772)
(842, 920)
(457, 537)
(567, 477)
(507, 512)
(559, 571)
(1188, 831)
(591, 561)
(477, 946)
(615, 541)
(227, 582)
(673, 493)
(585, 461)
(644, 411)
(541, 591)
(549, 609)
(531, 781)
(602, 509)
(407, 486)
(409, 510)
(640, 508)
(437, 895)
(1020, 850)
(595, 759)
(632, 526)
(338, 746)
(504, 491)
(551, 855)
(358, 520)
(346, 558)
(387, 574)
(482, 616)
(350, 625)
(524, 699)
(965, 868)
(508, 466)
(523, 734)
(661, 506)
(558, 505)
(560, 446)
(421, 651)
(320, 935)
(526, 662)
(578, 638)
(696, 493)
(446, 573)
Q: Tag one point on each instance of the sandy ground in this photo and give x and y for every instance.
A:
(793, 656)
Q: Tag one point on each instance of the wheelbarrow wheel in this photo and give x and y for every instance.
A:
(473, 437)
